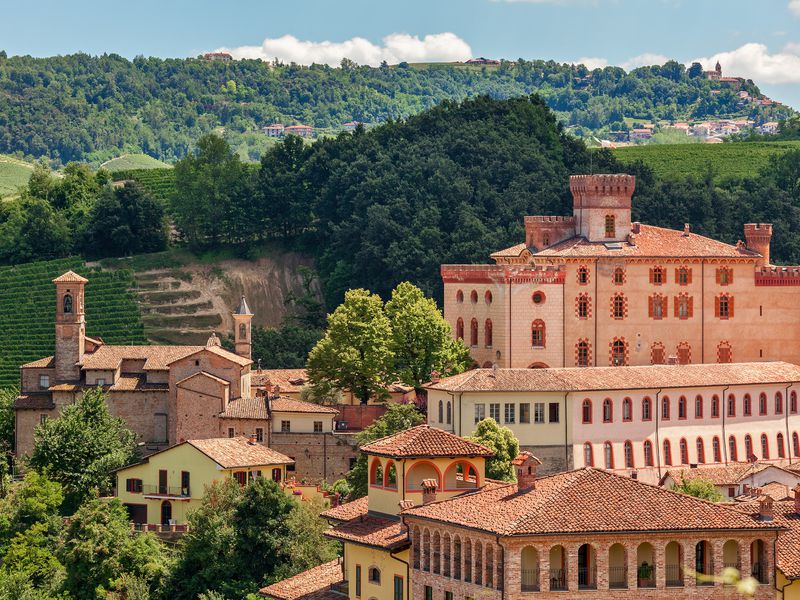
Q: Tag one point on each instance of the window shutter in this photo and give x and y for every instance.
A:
(664, 307)
(716, 306)
(650, 307)
(691, 303)
(688, 275)
(730, 307)
(678, 275)
(730, 276)
(651, 275)
(718, 276)
(675, 304)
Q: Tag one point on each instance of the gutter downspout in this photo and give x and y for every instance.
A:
(703, 311)
(509, 327)
(596, 310)
(460, 416)
(789, 444)
(408, 571)
(564, 320)
(566, 445)
(724, 408)
(657, 409)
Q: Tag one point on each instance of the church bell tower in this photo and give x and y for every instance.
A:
(242, 329)
(70, 326)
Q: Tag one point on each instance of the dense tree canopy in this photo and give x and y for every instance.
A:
(502, 441)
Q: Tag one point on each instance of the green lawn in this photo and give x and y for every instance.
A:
(13, 173)
(737, 159)
(133, 161)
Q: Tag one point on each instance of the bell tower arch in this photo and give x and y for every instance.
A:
(70, 338)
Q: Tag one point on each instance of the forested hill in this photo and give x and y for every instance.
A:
(81, 107)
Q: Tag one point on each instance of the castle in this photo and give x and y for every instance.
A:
(596, 289)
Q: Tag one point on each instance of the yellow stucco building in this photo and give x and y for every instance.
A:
(165, 486)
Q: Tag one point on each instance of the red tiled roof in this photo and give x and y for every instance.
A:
(618, 378)
(775, 490)
(43, 401)
(298, 406)
(651, 241)
(733, 473)
(70, 277)
(126, 382)
(788, 546)
(230, 453)
(424, 440)
(348, 511)
(156, 357)
(370, 530)
(289, 380)
(43, 363)
(313, 584)
(246, 408)
(582, 501)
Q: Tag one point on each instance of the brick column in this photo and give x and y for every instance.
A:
(466, 559)
(660, 562)
(601, 558)
(572, 567)
(718, 559)
(745, 560)
(511, 572)
(769, 561)
(544, 568)
(689, 565)
(633, 566)
(423, 549)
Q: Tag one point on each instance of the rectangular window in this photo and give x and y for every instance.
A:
(554, 410)
(428, 592)
(134, 486)
(538, 412)
(317, 426)
(42, 419)
(100, 381)
(358, 581)
(398, 587)
(494, 411)
(162, 481)
(185, 482)
(524, 412)
(510, 412)
(231, 432)
(448, 596)
(259, 434)
(480, 412)
(286, 426)
(44, 381)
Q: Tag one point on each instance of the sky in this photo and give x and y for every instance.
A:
(757, 39)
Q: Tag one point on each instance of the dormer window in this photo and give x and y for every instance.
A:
(67, 303)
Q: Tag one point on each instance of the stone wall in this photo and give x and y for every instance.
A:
(317, 456)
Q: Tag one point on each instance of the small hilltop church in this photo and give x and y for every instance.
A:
(165, 394)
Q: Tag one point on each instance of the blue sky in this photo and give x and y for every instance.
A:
(752, 38)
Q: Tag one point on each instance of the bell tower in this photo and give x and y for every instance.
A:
(70, 326)
(242, 329)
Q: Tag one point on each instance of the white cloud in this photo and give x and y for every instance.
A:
(592, 62)
(644, 60)
(396, 48)
(794, 6)
(753, 61)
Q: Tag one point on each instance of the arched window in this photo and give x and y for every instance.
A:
(723, 306)
(734, 456)
(242, 331)
(724, 353)
(684, 448)
(390, 480)
(538, 334)
(657, 306)
(648, 453)
(611, 230)
(715, 406)
(657, 354)
(441, 411)
(795, 444)
(618, 306)
(608, 455)
(374, 575)
(487, 297)
(747, 408)
(586, 411)
(473, 296)
(647, 410)
(460, 328)
(619, 276)
(667, 453)
(683, 276)
(665, 408)
(487, 333)
(618, 353)
(583, 275)
(684, 353)
(449, 412)
(376, 473)
(731, 405)
(628, 448)
(716, 450)
(627, 409)
(473, 332)
(583, 306)
(460, 296)
(588, 455)
(698, 407)
(701, 451)
(582, 351)
(682, 407)
(764, 446)
(778, 403)
(608, 411)
(781, 448)
(67, 303)
(657, 275)
(748, 448)
(762, 404)
(793, 403)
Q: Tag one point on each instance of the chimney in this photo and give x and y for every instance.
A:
(766, 511)
(525, 465)
(686, 229)
(429, 490)
(797, 498)
(434, 376)
(252, 440)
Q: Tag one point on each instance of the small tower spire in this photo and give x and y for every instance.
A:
(242, 329)
(70, 326)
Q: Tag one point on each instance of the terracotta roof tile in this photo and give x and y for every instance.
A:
(155, 357)
(598, 501)
(371, 530)
(619, 378)
(246, 408)
(733, 473)
(348, 511)
(289, 380)
(230, 453)
(788, 546)
(775, 490)
(298, 406)
(424, 440)
(47, 362)
(219, 351)
(70, 277)
(43, 401)
(126, 382)
(313, 584)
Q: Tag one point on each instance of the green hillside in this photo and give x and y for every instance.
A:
(133, 161)
(159, 182)
(27, 311)
(736, 159)
(13, 173)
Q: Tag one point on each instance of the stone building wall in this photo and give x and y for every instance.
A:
(317, 456)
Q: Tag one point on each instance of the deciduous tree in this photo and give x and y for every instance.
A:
(503, 443)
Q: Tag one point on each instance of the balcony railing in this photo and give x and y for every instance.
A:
(530, 580)
(163, 490)
(674, 575)
(587, 578)
(618, 577)
(558, 580)
(758, 571)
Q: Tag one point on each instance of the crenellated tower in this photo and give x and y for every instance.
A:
(70, 337)
(758, 237)
(601, 205)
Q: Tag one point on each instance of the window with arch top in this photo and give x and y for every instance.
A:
(588, 455)
(583, 275)
(460, 328)
(608, 455)
(473, 332)
(732, 451)
(487, 333)
(67, 303)
(628, 449)
(538, 338)
(586, 411)
(376, 473)
(627, 409)
(242, 331)
(717, 450)
(608, 411)
(610, 226)
(648, 453)
(374, 575)
(390, 480)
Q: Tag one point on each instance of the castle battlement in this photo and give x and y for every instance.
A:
(778, 276)
(602, 184)
(551, 219)
(503, 273)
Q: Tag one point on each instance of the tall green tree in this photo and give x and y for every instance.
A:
(355, 353)
(699, 488)
(422, 341)
(32, 229)
(502, 441)
(35, 499)
(82, 447)
(397, 418)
